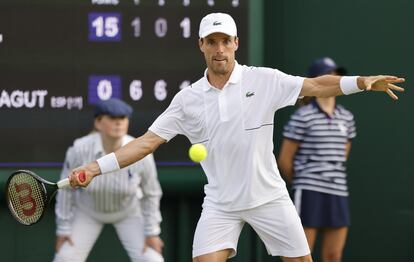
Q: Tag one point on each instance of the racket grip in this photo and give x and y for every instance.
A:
(82, 177)
(64, 183)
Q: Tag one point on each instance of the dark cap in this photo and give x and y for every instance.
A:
(112, 107)
(323, 66)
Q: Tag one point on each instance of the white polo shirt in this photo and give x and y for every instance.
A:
(236, 126)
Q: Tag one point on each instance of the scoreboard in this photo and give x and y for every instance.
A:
(59, 58)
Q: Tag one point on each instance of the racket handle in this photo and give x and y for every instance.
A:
(64, 183)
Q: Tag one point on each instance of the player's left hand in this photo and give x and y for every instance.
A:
(384, 83)
(155, 242)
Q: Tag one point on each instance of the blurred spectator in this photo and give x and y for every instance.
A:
(317, 141)
(128, 199)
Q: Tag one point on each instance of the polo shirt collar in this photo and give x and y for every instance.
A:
(317, 106)
(234, 77)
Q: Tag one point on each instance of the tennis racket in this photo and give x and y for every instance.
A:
(28, 195)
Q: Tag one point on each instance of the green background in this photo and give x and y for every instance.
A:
(368, 37)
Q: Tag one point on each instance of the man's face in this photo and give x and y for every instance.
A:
(113, 127)
(219, 51)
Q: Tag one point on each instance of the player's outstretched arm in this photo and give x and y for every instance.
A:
(126, 155)
(329, 85)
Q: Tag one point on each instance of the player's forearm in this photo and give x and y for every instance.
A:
(323, 86)
(327, 86)
(126, 155)
(138, 149)
(134, 151)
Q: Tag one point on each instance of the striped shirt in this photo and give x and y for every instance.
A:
(319, 163)
(111, 197)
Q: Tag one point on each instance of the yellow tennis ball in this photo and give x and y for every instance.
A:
(197, 152)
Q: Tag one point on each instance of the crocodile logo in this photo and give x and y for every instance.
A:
(249, 94)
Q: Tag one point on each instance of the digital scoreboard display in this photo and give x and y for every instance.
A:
(59, 58)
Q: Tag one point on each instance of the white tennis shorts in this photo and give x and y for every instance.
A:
(277, 224)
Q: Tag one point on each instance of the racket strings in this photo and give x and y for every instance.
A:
(26, 197)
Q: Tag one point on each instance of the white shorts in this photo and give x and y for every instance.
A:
(277, 224)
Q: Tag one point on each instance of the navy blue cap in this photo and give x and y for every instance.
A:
(323, 66)
(112, 107)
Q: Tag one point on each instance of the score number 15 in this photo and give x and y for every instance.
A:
(105, 26)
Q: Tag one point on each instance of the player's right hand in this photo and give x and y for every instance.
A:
(82, 176)
(60, 240)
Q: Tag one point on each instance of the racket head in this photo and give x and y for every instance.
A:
(26, 196)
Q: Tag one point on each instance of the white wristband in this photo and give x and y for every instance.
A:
(108, 163)
(349, 85)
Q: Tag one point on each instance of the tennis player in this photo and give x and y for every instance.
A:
(129, 198)
(230, 110)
